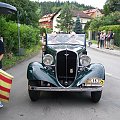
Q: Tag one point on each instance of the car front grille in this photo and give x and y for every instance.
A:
(66, 67)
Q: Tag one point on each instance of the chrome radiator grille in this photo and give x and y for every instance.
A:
(66, 67)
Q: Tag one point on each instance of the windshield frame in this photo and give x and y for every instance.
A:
(65, 43)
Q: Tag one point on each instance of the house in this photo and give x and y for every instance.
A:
(50, 20)
(47, 20)
(84, 18)
(93, 13)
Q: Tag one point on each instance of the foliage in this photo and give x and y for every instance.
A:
(29, 36)
(94, 41)
(45, 30)
(78, 26)
(51, 7)
(95, 24)
(111, 6)
(42, 31)
(29, 12)
(111, 19)
(115, 29)
(87, 25)
(65, 21)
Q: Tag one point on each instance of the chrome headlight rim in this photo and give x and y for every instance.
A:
(85, 60)
(48, 59)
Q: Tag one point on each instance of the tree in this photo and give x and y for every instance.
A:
(111, 6)
(87, 25)
(95, 24)
(28, 11)
(111, 19)
(65, 21)
(78, 26)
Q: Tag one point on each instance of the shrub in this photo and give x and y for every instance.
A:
(29, 36)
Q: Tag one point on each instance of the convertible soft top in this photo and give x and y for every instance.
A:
(7, 8)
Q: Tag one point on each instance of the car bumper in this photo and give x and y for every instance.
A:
(65, 89)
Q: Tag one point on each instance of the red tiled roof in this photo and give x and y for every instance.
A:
(47, 17)
(90, 11)
(80, 14)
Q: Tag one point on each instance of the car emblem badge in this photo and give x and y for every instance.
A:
(66, 54)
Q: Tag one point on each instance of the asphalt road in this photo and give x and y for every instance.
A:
(65, 105)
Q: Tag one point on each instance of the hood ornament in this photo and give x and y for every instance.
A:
(66, 54)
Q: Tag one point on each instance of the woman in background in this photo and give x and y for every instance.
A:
(102, 38)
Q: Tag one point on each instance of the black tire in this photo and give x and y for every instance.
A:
(95, 96)
(34, 95)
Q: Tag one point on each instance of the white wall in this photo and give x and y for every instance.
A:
(55, 23)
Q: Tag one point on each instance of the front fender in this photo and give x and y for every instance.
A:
(93, 71)
(37, 72)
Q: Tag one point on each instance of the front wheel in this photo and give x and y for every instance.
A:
(34, 95)
(95, 96)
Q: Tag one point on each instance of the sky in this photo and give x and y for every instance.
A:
(95, 3)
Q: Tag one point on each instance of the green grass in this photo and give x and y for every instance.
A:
(9, 62)
(94, 41)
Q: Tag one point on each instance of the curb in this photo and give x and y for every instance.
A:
(107, 52)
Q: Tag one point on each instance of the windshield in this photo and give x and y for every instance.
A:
(72, 39)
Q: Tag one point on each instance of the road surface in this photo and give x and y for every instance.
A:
(65, 105)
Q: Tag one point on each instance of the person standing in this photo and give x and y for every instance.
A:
(111, 40)
(108, 40)
(98, 39)
(1, 56)
(104, 35)
(102, 38)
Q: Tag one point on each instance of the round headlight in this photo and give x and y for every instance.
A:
(48, 59)
(85, 60)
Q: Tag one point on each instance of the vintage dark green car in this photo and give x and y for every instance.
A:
(65, 66)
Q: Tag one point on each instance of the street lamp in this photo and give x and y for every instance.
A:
(18, 33)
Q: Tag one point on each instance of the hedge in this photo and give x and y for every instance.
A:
(29, 36)
(116, 30)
